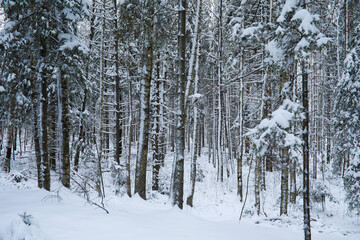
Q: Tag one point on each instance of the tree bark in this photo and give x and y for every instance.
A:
(128, 169)
(257, 184)
(284, 181)
(157, 161)
(65, 179)
(9, 146)
(143, 146)
(44, 125)
(118, 115)
(305, 136)
(34, 103)
(177, 192)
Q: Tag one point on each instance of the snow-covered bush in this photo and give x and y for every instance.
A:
(118, 174)
(17, 177)
(319, 191)
(23, 227)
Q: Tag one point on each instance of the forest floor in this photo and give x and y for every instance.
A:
(27, 212)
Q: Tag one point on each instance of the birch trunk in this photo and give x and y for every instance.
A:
(195, 137)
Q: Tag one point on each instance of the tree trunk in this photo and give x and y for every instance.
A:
(118, 115)
(99, 181)
(293, 191)
(194, 78)
(284, 181)
(81, 140)
(9, 146)
(305, 136)
(52, 135)
(257, 184)
(20, 141)
(177, 192)
(241, 143)
(141, 163)
(80, 143)
(34, 103)
(65, 123)
(44, 127)
(156, 147)
(219, 134)
(128, 169)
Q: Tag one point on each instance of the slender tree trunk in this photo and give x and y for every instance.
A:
(285, 158)
(44, 128)
(80, 143)
(143, 146)
(177, 192)
(284, 181)
(9, 146)
(293, 191)
(34, 103)
(100, 182)
(15, 138)
(194, 77)
(305, 136)
(118, 115)
(20, 141)
(52, 134)
(65, 122)
(128, 169)
(156, 147)
(81, 140)
(219, 134)
(241, 143)
(257, 184)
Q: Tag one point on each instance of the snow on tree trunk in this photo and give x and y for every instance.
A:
(177, 191)
(34, 103)
(306, 170)
(143, 146)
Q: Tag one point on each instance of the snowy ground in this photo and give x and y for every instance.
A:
(62, 214)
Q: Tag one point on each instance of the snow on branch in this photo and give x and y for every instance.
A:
(71, 42)
(277, 127)
(307, 21)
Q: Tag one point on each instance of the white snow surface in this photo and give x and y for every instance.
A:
(62, 214)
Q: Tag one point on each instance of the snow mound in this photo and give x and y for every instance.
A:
(23, 227)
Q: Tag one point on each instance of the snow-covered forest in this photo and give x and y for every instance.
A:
(179, 119)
